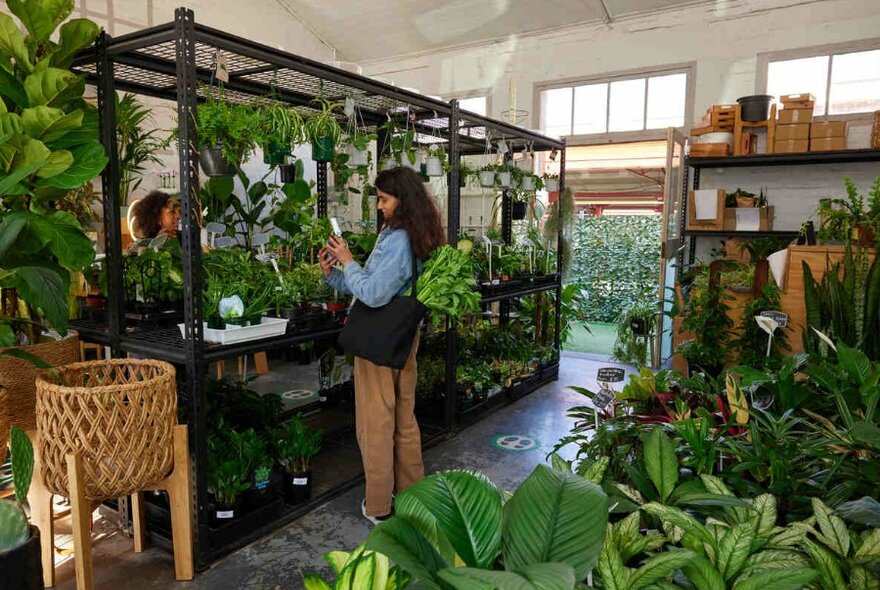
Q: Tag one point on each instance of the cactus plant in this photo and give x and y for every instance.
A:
(14, 529)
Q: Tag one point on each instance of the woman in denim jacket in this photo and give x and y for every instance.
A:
(387, 431)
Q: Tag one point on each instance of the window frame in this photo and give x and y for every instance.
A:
(765, 58)
(687, 68)
(478, 93)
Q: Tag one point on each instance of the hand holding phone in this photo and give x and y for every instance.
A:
(335, 225)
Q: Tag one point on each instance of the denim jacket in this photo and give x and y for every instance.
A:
(387, 272)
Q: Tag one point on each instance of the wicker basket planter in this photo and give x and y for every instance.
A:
(18, 376)
(118, 415)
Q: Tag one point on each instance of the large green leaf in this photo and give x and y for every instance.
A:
(555, 517)
(403, 544)
(661, 463)
(11, 88)
(676, 517)
(50, 124)
(466, 508)
(44, 288)
(8, 182)
(22, 462)
(313, 581)
(12, 42)
(658, 567)
(834, 532)
(41, 17)
(57, 163)
(10, 124)
(65, 238)
(828, 565)
(611, 569)
(86, 134)
(772, 559)
(707, 499)
(866, 433)
(89, 161)
(765, 510)
(703, 574)
(10, 226)
(792, 579)
(854, 362)
(538, 576)
(53, 87)
(76, 34)
(734, 549)
(870, 547)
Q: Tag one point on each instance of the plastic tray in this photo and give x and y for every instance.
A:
(267, 328)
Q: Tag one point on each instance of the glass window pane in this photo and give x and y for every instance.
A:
(476, 104)
(627, 105)
(855, 83)
(590, 108)
(556, 112)
(799, 76)
(666, 98)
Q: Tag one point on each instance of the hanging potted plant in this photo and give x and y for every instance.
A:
(281, 128)
(297, 444)
(504, 175)
(20, 556)
(226, 135)
(437, 163)
(466, 173)
(518, 207)
(487, 176)
(323, 130)
(551, 182)
(359, 148)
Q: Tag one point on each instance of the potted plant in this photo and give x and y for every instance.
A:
(337, 302)
(504, 175)
(842, 220)
(281, 128)
(633, 327)
(262, 480)
(487, 176)
(466, 173)
(551, 182)
(437, 164)
(226, 134)
(227, 480)
(323, 130)
(740, 198)
(296, 445)
(20, 557)
(136, 146)
(704, 316)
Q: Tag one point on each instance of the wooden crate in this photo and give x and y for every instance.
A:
(709, 150)
(721, 117)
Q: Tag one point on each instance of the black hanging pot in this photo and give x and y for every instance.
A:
(639, 326)
(213, 163)
(21, 567)
(518, 210)
(288, 172)
(322, 149)
(297, 487)
(755, 108)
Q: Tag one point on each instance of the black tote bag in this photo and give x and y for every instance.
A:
(384, 335)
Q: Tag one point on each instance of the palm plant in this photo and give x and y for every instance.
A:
(136, 145)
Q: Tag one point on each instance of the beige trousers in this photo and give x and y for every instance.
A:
(387, 431)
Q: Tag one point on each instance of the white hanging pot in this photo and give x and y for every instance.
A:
(552, 185)
(415, 165)
(389, 163)
(527, 183)
(504, 179)
(357, 157)
(433, 166)
(487, 178)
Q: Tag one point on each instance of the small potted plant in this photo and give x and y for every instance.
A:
(226, 135)
(227, 480)
(437, 164)
(280, 129)
(20, 557)
(323, 130)
(740, 198)
(262, 480)
(551, 182)
(487, 176)
(466, 172)
(296, 445)
(337, 302)
(504, 175)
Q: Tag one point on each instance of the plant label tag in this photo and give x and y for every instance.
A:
(779, 317)
(225, 514)
(221, 67)
(602, 399)
(610, 375)
(300, 481)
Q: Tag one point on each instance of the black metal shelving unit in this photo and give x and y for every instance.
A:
(175, 61)
(755, 161)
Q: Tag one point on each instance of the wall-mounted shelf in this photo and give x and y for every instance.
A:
(741, 234)
(807, 158)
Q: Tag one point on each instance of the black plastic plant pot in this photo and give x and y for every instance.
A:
(639, 326)
(274, 154)
(518, 210)
(213, 163)
(288, 172)
(297, 487)
(262, 491)
(755, 108)
(225, 513)
(21, 567)
(322, 149)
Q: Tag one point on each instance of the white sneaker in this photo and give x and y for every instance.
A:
(373, 519)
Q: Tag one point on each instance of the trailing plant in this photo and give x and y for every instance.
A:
(49, 146)
(629, 347)
(324, 124)
(231, 126)
(136, 145)
(280, 129)
(561, 214)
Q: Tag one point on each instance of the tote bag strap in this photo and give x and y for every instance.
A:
(415, 271)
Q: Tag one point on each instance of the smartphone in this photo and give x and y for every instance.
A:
(335, 225)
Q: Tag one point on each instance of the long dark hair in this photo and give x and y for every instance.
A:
(416, 212)
(147, 213)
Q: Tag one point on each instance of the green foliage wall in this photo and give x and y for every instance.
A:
(616, 259)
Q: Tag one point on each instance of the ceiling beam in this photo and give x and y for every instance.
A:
(607, 18)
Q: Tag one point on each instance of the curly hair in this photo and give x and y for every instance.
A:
(416, 212)
(147, 213)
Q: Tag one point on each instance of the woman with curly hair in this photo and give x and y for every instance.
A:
(387, 432)
(156, 214)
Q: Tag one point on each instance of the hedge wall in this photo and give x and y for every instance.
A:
(617, 260)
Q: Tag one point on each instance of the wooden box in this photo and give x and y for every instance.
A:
(717, 222)
(824, 144)
(789, 116)
(793, 98)
(720, 117)
(791, 146)
(828, 129)
(709, 150)
(764, 215)
(793, 132)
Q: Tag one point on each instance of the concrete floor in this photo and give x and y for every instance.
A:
(276, 562)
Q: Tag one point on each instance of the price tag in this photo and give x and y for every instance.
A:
(226, 514)
(610, 375)
(603, 399)
(221, 67)
(779, 317)
(300, 481)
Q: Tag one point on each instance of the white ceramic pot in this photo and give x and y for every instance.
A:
(504, 179)
(487, 178)
(528, 183)
(389, 163)
(357, 157)
(433, 166)
(551, 185)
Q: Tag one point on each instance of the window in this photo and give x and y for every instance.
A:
(843, 82)
(474, 104)
(616, 105)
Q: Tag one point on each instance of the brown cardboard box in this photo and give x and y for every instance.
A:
(828, 129)
(765, 213)
(790, 116)
(824, 144)
(796, 131)
(789, 98)
(791, 146)
(706, 224)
